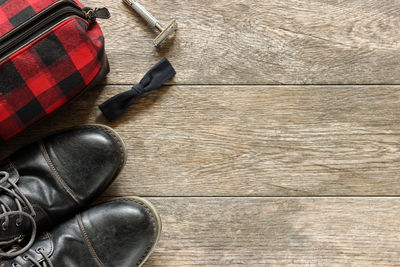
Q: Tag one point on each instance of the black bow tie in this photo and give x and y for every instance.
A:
(154, 79)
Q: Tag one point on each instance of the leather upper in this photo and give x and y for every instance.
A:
(63, 173)
(119, 233)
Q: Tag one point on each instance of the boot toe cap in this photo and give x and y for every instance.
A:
(87, 159)
(123, 232)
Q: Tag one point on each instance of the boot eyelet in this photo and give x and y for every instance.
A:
(25, 258)
(39, 250)
(20, 238)
(15, 264)
(4, 226)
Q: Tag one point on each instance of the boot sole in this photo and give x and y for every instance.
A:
(159, 228)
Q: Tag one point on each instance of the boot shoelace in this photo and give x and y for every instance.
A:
(46, 262)
(5, 213)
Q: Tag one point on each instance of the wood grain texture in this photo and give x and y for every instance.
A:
(251, 140)
(260, 42)
(220, 131)
(278, 232)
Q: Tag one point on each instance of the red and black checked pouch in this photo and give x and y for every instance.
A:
(50, 52)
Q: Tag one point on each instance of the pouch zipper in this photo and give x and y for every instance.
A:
(38, 25)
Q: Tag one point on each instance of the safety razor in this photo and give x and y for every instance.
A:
(153, 22)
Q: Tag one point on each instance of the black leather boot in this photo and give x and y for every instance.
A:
(53, 179)
(121, 233)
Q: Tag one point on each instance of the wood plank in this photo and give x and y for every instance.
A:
(278, 232)
(260, 42)
(250, 140)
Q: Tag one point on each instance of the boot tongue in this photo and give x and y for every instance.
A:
(14, 178)
(12, 234)
(13, 174)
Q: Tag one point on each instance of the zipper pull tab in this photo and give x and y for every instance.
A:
(97, 13)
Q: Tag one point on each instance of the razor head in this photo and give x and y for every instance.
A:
(168, 30)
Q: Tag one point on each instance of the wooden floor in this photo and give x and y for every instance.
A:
(277, 143)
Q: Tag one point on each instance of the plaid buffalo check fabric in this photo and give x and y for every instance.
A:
(41, 77)
(14, 13)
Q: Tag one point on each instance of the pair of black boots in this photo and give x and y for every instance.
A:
(45, 185)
